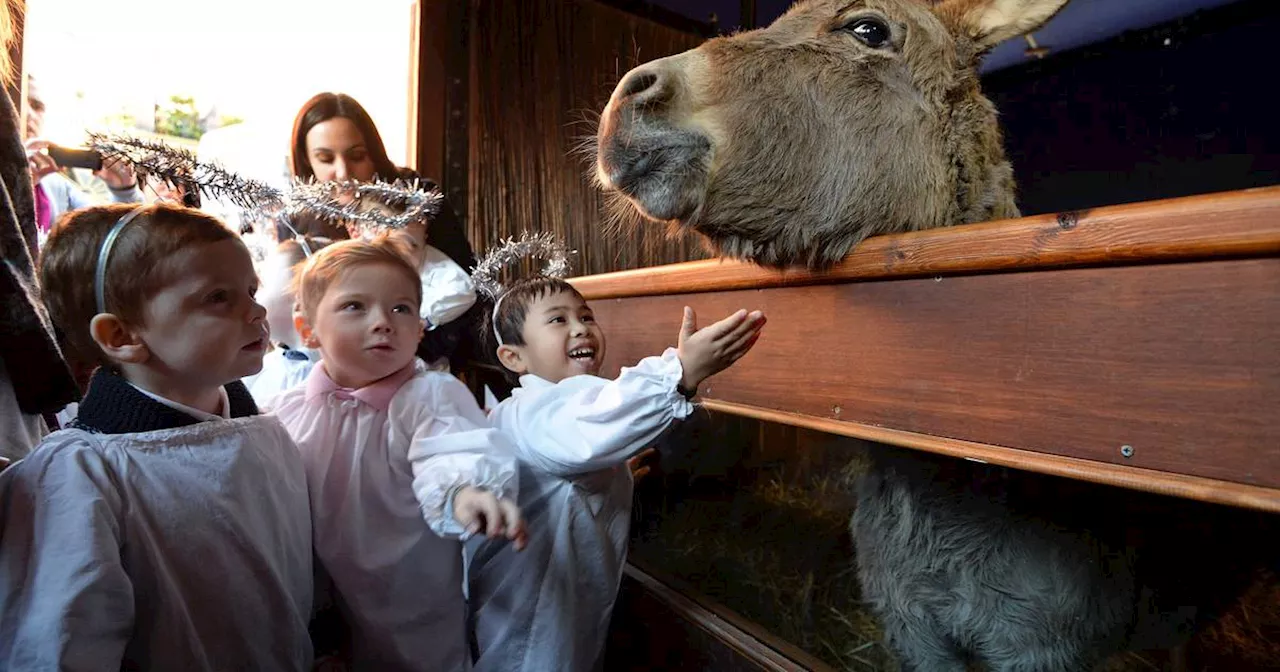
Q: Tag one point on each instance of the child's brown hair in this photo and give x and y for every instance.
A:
(136, 270)
(324, 268)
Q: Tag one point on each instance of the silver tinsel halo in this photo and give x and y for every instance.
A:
(263, 203)
(179, 168)
(325, 199)
(544, 246)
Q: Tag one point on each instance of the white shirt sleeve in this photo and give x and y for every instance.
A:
(447, 290)
(453, 445)
(586, 423)
(77, 198)
(66, 601)
(131, 195)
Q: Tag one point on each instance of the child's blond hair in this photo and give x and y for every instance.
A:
(325, 267)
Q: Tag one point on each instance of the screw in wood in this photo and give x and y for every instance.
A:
(1126, 450)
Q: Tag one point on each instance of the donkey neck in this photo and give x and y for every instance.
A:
(984, 185)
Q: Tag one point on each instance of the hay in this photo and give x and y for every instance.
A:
(779, 553)
(793, 574)
(1247, 637)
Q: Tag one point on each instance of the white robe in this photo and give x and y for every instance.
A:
(177, 549)
(447, 290)
(548, 607)
(380, 460)
(280, 373)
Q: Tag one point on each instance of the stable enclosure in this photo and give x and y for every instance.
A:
(1121, 353)
(1128, 346)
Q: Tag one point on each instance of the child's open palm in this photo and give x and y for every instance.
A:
(479, 511)
(706, 352)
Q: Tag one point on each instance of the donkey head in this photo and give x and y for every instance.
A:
(843, 119)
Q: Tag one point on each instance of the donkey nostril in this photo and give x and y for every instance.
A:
(639, 83)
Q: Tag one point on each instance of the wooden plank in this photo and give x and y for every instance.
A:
(1230, 224)
(429, 77)
(1135, 478)
(751, 635)
(1180, 362)
(657, 626)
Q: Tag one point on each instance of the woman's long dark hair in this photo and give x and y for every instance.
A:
(325, 106)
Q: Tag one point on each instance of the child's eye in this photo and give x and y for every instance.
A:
(555, 319)
(589, 318)
(402, 308)
(351, 305)
(217, 296)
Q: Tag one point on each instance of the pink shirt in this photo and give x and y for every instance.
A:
(381, 463)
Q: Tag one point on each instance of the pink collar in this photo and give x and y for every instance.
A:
(377, 394)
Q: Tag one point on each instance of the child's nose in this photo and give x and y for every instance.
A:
(257, 312)
(381, 320)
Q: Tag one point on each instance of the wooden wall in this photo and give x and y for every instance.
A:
(540, 72)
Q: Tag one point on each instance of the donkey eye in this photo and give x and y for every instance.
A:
(872, 32)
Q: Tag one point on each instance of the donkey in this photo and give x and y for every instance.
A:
(790, 145)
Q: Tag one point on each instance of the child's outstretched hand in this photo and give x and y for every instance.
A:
(637, 464)
(706, 352)
(481, 511)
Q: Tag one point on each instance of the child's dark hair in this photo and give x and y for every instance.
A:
(514, 305)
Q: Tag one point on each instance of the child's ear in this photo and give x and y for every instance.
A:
(302, 325)
(513, 359)
(117, 340)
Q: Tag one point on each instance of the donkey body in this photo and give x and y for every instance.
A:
(791, 144)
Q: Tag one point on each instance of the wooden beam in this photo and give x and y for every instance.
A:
(1133, 478)
(429, 79)
(457, 95)
(747, 9)
(661, 623)
(1063, 350)
(1230, 224)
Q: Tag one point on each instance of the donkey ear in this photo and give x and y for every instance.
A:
(990, 22)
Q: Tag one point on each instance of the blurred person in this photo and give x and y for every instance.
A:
(54, 192)
(34, 378)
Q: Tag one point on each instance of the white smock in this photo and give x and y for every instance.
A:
(548, 607)
(175, 549)
(447, 290)
(380, 461)
(282, 370)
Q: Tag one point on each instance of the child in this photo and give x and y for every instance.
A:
(447, 290)
(387, 444)
(289, 363)
(447, 293)
(549, 608)
(169, 527)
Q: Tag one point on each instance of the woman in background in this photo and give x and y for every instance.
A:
(334, 138)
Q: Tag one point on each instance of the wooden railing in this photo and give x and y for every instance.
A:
(1135, 345)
